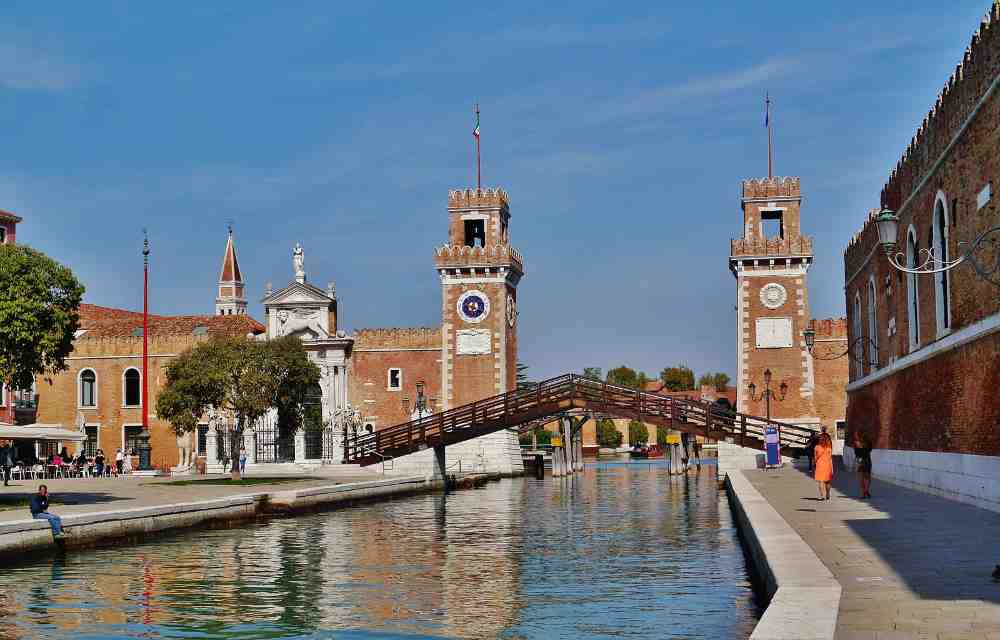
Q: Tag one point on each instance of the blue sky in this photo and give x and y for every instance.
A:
(620, 130)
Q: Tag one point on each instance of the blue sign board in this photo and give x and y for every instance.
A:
(772, 447)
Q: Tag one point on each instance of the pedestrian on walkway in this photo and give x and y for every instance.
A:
(863, 455)
(243, 460)
(811, 448)
(40, 511)
(99, 463)
(824, 464)
(696, 451)
(6, 462)
(119, 461)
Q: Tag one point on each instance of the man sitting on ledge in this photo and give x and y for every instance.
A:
(39, 511)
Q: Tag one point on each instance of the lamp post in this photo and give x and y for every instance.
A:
(143, 445)
(421, 404)
(887, 223)
(810, 336)
(767, 394)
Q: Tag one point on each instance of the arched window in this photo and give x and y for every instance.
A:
(872, 324)
(912, 293)
(859, 347)
(133, 392)
(939, 234)
(88, 388)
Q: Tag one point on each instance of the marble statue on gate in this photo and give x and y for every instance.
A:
(298, 261)
(183, 450)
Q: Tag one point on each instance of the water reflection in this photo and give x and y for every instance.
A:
(613, 552)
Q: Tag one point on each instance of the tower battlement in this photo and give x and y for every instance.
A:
(475, 198)
(777, 187)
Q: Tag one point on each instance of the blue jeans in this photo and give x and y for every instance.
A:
(243, 465)
(54, 521)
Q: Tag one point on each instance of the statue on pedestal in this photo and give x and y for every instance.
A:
(298, 262)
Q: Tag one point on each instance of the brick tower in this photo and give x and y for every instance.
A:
(231, 300)
(770, 263)
(479, 273)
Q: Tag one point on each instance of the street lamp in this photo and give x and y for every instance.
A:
(887, 223)
(810, 336)
(767, 394)
(421, 405)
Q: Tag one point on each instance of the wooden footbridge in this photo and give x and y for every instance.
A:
(558, 396)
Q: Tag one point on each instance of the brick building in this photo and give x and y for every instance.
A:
(925, 385)
(10, 398)
(771, 262)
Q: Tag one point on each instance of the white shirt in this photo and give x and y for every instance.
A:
(119, 456)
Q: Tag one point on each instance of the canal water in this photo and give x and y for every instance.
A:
(618, 551)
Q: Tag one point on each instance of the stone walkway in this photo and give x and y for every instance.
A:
(86, 495)
(912, 565)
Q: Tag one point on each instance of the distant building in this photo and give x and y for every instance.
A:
(924, 386)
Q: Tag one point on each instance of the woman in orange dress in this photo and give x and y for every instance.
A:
(824, 465)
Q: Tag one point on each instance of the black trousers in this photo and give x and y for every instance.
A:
(6, 475)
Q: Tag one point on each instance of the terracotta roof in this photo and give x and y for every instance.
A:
(7, 215)
(230, 265)
(106, 322)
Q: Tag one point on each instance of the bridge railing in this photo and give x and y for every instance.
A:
(561, 393)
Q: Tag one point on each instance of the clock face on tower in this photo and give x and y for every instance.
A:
(473, 306)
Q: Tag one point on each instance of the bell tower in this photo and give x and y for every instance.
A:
(770, 262)
(231, 300)
(479, 272)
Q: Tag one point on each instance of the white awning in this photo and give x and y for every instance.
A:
(52, 432)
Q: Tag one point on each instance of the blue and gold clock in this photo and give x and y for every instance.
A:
(473, 306)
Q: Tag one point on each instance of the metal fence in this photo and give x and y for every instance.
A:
(322, 444)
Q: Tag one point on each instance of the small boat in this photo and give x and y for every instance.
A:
(644, 453)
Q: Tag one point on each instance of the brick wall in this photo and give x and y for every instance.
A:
(944, 402)
(830, 396)
(416, 351)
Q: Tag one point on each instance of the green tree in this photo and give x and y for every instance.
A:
(637, 433)
(661, 435)
(624, 376)
(243, 377)
(521, 377)
(39, 302)
(679, 378)
(718, 381)
(607, 434)
(593, 373)
(541, 437)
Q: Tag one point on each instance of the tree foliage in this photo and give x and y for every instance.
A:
(243, 377)
(542, 437)
(718, 381)
(627, 377)
(638, 434)
(679, 378)
(661, 435)
(593, 373)
(607, 434)
(523, 383)
(39, 303)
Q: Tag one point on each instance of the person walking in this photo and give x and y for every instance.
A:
(119, 461)
(696, 451)
(863, 455)
(6, 462)
(40, 511)
(824, 464)
(99, 463)
(811, 448)
(243, 460)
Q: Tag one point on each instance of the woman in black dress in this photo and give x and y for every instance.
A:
(863, 455)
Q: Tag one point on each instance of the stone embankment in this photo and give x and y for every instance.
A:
(21, 537)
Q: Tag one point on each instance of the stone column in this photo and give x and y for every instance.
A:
(250, 444)
(211, 447)
(578, 450)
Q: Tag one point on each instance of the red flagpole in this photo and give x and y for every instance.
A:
(145, 334)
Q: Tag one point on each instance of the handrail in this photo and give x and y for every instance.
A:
(556, 395)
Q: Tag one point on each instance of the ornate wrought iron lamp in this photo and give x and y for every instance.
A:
(887, 223)
(421, 403)
(810, 336)
(767, 394)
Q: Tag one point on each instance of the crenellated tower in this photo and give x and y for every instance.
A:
(771, 262)
(231, 299)
(479, 273)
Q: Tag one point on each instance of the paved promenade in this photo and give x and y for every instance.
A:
(77, 496)
(912, 565)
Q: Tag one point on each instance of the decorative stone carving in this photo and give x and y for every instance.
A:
(298, 262)
(774, 333)
(473, 342)
(773, 295)
(298, 319)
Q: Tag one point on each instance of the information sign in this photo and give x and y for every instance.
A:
(772, 446)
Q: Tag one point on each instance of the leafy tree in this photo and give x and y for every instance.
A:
(39, 302)
(593, 373)
(541, 436)
(523, 383)
(679, 378)
(718, 381)
(637, 433)
(607, 434)
(627, 377)
(244, 377)
(661, 435)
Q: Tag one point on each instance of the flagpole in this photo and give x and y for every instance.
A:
(770, 140)
(479, 173)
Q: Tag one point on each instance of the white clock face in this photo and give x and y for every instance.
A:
(511, 311)
(473, 306)
(773, 295)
